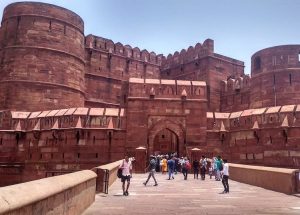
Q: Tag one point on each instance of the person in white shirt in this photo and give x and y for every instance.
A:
(225, 176)
(126, 167)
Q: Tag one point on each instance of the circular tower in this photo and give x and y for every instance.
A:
(41, 57)
(275, 76)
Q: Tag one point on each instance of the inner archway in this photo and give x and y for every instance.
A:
(165, 142)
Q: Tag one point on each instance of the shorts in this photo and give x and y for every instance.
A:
(125, 178)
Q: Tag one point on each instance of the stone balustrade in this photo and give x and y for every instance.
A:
(278, 179)
(66, 194)
(106, 175)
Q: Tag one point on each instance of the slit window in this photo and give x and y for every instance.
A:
(290, 79)
(299, 57)
(257, 63)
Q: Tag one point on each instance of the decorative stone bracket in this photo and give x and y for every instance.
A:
(256, 131)
(285, 126)
(223, 132)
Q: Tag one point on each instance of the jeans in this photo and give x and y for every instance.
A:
(196, 173)
(185, 173)
(225, 183)
(151, 174)
(202, 170)
(171, 173)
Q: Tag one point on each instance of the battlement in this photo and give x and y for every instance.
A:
(160, 88)
(71, 118)
(126, 51)
(192, 53)
(234, 85)
(255, 119)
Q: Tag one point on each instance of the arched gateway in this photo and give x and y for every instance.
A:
(166, 136)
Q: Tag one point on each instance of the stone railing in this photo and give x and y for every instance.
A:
(66, 194)
(106, 175)
(278, 179)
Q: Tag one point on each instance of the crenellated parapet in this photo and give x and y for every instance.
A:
(235, 93)
(126, 51)
(171, 89)
(192, 53)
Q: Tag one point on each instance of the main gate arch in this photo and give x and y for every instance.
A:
(176, 128)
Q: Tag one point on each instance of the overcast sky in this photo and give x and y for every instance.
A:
(238, 27)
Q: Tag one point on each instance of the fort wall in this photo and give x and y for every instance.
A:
(70, 102)
(275, 76)
(200, 63)
(42, 57)
(59, 141)
(235, 94)
(263, 136)
(109, 66)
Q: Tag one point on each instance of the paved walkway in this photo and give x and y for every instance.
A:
(191, 197)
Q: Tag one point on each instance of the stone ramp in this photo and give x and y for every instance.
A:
(191, 197)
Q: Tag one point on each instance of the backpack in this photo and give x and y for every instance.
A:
(188, 165)
(221, 166)
(120, 170)
(119, 173)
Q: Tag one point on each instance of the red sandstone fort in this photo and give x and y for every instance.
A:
(70, 102)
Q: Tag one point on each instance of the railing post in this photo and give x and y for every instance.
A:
(297, 184)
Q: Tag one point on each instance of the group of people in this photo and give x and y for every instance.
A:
(171, 164)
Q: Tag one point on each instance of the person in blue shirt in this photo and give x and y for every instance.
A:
(151, 166)
(171, 168)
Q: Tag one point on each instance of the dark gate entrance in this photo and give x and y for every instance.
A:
(165, 142)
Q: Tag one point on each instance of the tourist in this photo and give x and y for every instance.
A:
(176, 164)
(184, 168)
(225, 173)
(215, 167)
(210, 171)
(126, 167)
(203, 166)
(158, 167)
(164, 167)
(196, 166)
(171, 167)
(219, 163)
(151, 167)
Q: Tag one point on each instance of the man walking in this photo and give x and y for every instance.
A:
(196, 165)
(171, 167)
(225, 176)
(151, 167)
(203, 167)
(126, 167)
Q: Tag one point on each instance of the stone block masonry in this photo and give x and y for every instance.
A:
(70, 101)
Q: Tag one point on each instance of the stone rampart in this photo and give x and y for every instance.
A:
(277, 179)
(66, 194)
